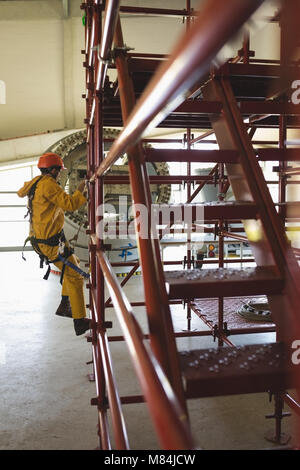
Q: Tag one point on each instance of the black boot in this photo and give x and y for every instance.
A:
(81, 325)
(64, 309)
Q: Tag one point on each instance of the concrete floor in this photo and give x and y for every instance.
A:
(45, 391)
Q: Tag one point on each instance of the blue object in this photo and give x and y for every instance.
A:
(124, 250)
(73, 266)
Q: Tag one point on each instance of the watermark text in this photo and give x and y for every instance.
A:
(2, 92)
(296, 353)
(2, 353)
(124, 221)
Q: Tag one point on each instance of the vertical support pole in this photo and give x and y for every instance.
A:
(189, 242)
(246, 48)
(278, 416)
(94, 145)
(221, 299)
(92, 205)
(278, 437)
(99, 199)
(99, 186)
(282, 167)
(188, 146)
(188, 245)
(221, 194)
(188, 141)
(221, 254)
(220, 321)
(282, 128)
(188, 9)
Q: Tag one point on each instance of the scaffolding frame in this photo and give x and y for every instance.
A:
(158, 369)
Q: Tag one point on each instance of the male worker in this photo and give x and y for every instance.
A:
(46, 205)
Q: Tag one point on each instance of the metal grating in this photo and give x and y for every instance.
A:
(208, 310)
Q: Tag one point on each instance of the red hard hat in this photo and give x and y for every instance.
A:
(50, 159)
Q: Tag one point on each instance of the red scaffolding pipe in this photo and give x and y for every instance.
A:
(118, 423)
(109, 26)
(155, 11)
(91, 164)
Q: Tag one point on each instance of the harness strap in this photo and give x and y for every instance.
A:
(54, 241)
(25, 243)
(47, 273)
(62, 273)
(73, 266)
(51, 241)
(30, 199)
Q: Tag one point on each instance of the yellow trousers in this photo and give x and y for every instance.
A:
(72, 281)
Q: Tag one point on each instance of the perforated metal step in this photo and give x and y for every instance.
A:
(225, 282)
(227, 371)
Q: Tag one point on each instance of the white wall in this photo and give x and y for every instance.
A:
(31, 66)
(77, 72)
(41, 61)
(41, 65)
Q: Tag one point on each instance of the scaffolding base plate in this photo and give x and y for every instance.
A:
(283, 439)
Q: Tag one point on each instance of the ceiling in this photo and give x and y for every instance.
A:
(42, 64)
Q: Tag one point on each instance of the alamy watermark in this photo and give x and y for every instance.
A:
(296, 354)
(2, 353)
(295, 96)
(2, 92)
(122, 221)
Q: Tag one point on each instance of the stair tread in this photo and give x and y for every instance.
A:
(255, 70)
(219, 203)
(226, 371)
(197, 283)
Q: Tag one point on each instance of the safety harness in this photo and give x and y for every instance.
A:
(56, 240)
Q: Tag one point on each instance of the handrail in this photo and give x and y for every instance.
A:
(291, 402)
(109, 25)
(155, 11)
(103, 424)
(189, 62)
(118, 423)
(154, 383)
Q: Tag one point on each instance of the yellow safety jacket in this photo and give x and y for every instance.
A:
(48, 207)
(49, 204)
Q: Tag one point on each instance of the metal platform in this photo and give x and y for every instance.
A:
(207, 310)
(254, 86)
(227, 371)
(226, 282)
